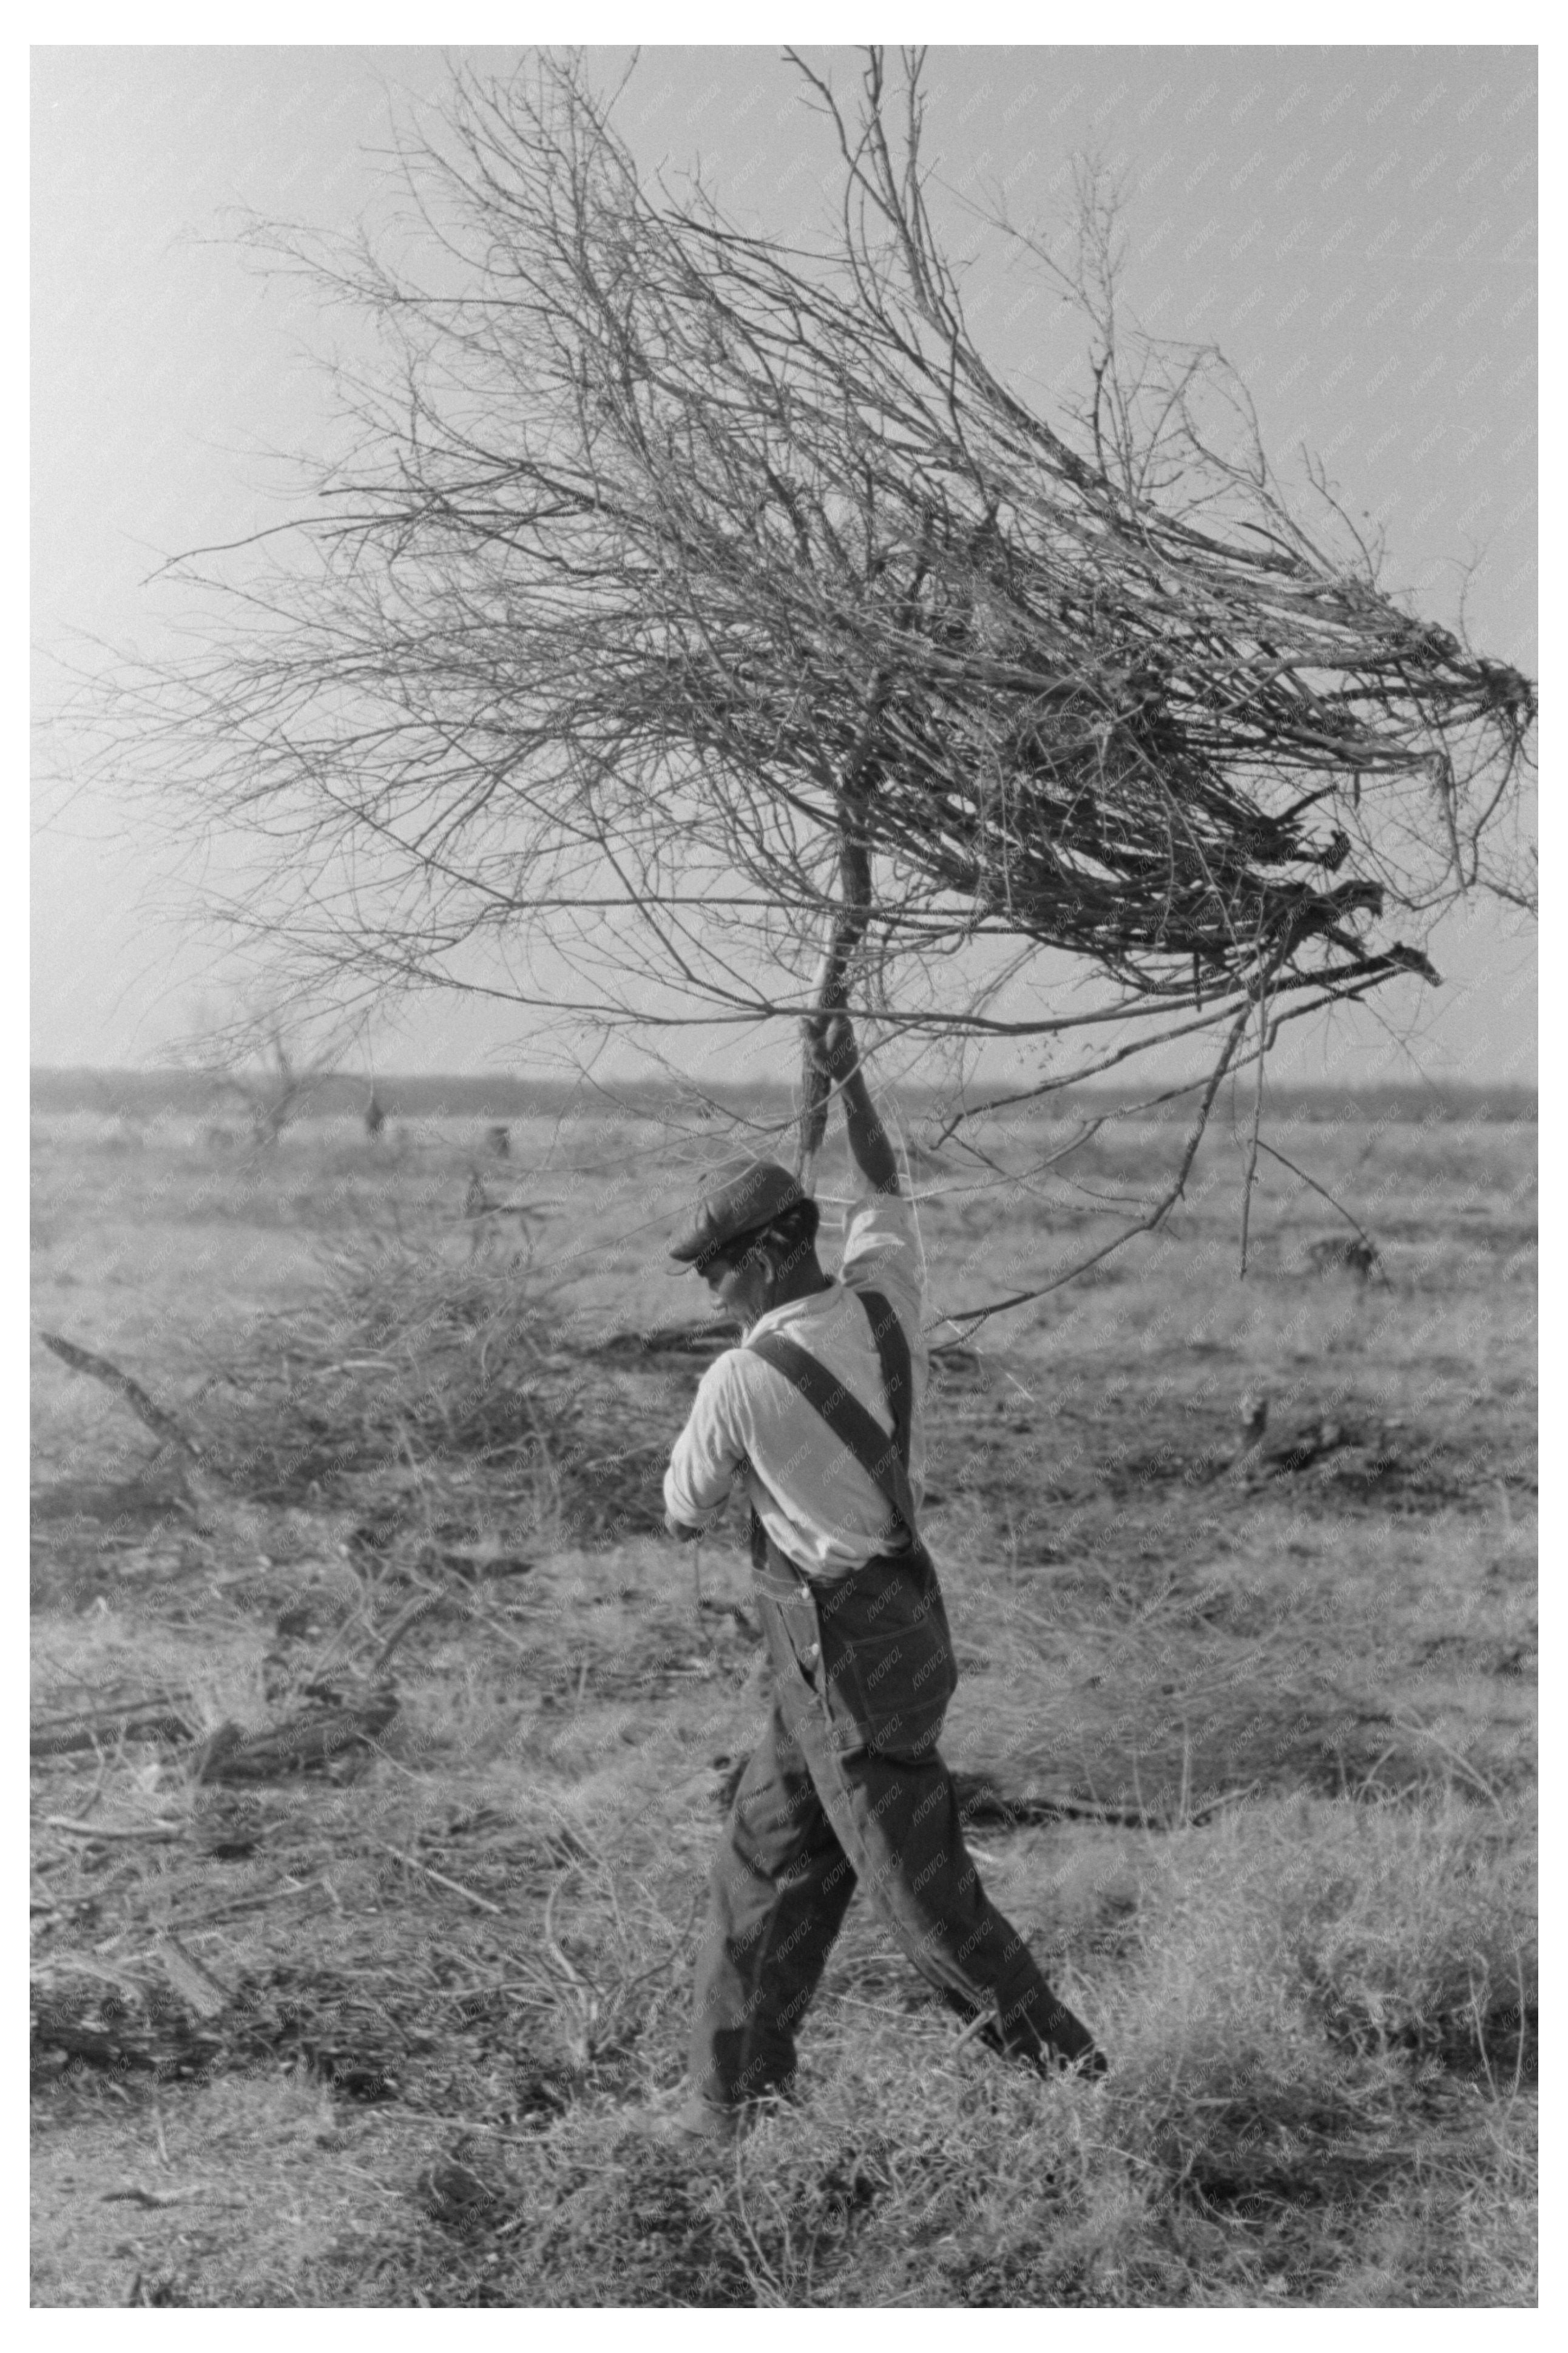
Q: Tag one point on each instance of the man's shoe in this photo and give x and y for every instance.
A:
(1067, 2048)
(1052, 2041)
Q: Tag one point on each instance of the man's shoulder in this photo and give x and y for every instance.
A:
(740, 1393)
(733, 1373)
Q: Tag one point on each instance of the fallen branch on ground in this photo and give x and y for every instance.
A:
(98, 1368)
(159, 1716)
(112, 1830)
(315, 1737)
(440, 1877)
(980, 1802)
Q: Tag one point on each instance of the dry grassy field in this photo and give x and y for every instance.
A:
(380, 1739)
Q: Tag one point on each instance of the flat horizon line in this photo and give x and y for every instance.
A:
(114, 1088)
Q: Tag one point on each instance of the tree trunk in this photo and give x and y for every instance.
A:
(829, 991)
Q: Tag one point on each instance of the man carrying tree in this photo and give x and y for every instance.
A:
(822, 1407)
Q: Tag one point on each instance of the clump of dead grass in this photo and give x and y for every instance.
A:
(1306, 1936)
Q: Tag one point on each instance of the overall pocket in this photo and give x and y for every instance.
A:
(794, 1643)
(888, 1658)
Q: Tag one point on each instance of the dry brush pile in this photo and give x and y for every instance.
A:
(719, 612)
(452, 1395)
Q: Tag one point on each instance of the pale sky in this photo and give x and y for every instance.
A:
(1356, 228)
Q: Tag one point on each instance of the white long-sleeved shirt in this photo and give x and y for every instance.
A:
(817, 1504)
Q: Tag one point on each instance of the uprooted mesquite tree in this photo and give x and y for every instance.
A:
(713, 612)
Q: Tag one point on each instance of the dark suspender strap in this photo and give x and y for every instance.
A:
(847, 1419)
(897, 1373)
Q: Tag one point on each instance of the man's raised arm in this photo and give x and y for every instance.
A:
(840, 1057)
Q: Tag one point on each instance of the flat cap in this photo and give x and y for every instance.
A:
(736, 1202)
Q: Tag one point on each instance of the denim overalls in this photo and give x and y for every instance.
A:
(846, 1787)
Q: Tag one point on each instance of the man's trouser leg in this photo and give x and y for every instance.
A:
(850, 1773)
(781, 1886)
